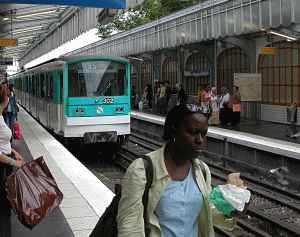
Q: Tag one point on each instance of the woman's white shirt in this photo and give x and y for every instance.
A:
(214, 103)
(224, 99)
(5, 136)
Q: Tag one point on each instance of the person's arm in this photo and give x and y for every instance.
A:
(202, 97)
(9, 161)
(130, 213)
(16, 155)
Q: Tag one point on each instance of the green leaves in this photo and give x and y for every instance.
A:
(148, 10)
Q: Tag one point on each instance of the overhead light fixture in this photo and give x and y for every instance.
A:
(283, 35)
(27, 30)
(37, 13)
(29, 14)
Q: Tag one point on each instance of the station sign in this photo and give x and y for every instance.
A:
(6, 61)
(268, 50)
(8, 42)
(115, 4)
(197, 73)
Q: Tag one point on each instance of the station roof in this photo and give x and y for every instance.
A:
(28, 24)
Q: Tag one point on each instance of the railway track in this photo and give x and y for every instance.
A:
(273, 211)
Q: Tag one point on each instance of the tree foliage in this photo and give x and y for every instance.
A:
(148, 10)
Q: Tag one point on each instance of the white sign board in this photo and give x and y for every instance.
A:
(249, 86)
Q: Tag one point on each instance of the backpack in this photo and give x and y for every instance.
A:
(107, 224)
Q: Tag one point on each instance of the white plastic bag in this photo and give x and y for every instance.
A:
(237, 197)
(141, 105)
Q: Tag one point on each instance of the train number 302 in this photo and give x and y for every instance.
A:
(108, 100)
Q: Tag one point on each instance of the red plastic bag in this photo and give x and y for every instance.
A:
(17, 131)
(33, 192)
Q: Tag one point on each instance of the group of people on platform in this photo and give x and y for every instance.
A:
(9, 157)
(222, 106)
(162, 93)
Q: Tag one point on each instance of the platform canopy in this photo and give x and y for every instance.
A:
(28, 31)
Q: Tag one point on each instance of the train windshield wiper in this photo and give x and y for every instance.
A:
(103, 92)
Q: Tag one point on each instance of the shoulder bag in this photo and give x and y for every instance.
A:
(107, 224)
(237, 108)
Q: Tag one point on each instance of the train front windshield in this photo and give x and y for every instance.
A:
(96, 78)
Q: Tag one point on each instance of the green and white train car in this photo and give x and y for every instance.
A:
(86, 97)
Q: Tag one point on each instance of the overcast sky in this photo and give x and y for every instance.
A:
(81, 41)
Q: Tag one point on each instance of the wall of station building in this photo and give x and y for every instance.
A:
(280, 73)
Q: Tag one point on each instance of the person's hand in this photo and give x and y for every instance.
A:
(18, 157)
(218, 96)
(16, 118)
(237, 213)
(18, 163)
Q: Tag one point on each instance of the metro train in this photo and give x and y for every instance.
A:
(79, 97)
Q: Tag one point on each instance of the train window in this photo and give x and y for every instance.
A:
(27, 84)
(33, 86)
(51, 86)
(96, 78)
(37, 85)
(61, 80)
(43, 86)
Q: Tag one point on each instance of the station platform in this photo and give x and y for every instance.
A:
(265, 129)
(85, 196)
(265, 136)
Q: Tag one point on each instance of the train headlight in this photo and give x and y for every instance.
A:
(119, 109)
(79, 111)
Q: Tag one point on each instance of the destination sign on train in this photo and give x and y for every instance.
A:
(268, 50)
(116, 4)
(8, 42)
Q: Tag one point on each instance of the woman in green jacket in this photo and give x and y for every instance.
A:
(178, 203)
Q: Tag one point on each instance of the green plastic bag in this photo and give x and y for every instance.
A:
(221, 204)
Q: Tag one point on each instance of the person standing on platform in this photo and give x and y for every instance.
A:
(200, 91)
(9, 158)
(178, 202)
(11, 110)
(234, 99)
(182, 98)
(133, 96)
(148, 96)
(166, 98)
(224, 110)
(206, 96)
(162, 91)
(215, 100)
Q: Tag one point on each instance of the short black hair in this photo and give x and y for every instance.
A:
(205, 85)
(237, 88)
(167, 82)
(174, 119)
(201, 85)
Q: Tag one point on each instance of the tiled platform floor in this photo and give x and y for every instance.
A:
(85, 197)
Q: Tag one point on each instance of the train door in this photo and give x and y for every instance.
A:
(42, 101)
(37, 94)
(33, 95)
(61, 101)
(23, 90)
(52, 106)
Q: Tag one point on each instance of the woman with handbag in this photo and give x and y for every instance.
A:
(9, 158)
(178, 200)
(234, 106)
(224, 111)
